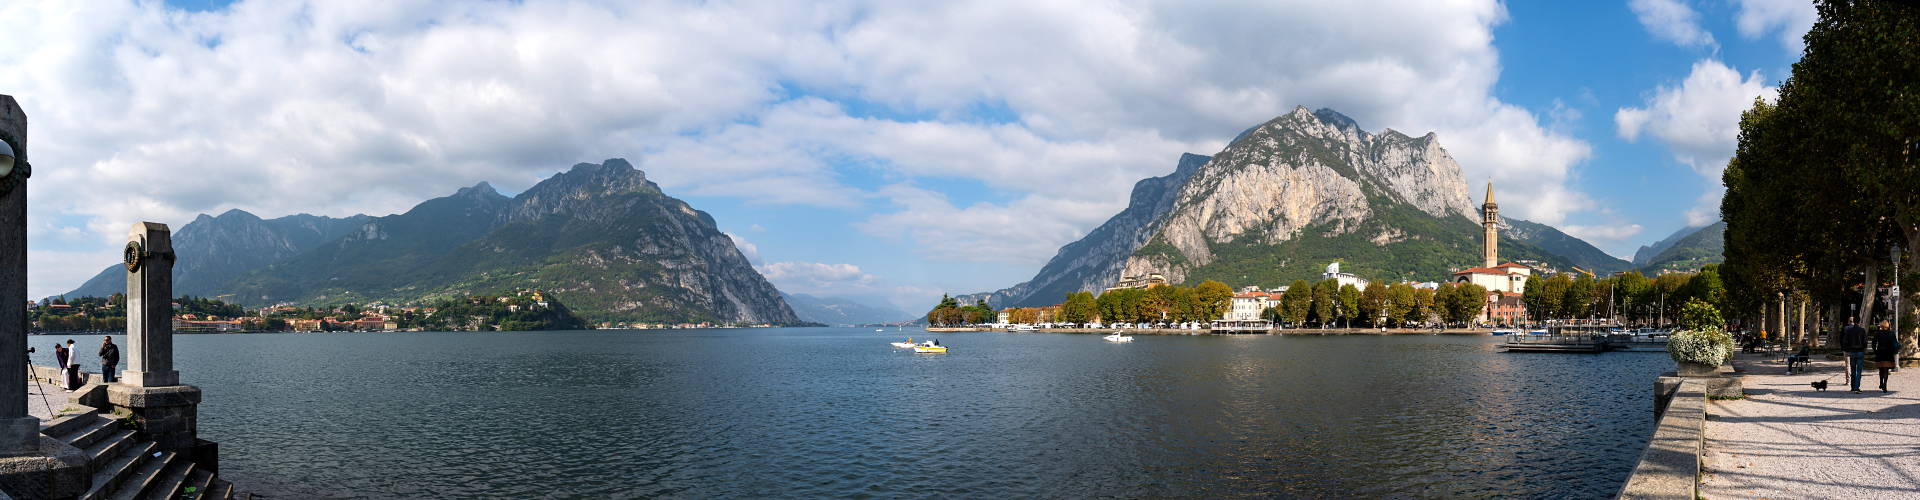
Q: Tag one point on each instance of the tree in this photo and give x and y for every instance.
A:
(1326, 301)
(1472, 300)
(1078, 308)
(1400, 304)
(1373, 303)
(1553, 296)
(1530, 296)
(1212, 300)
(1423, 300)
(1579, 299)
(1296, 302)
(1349, 301)
(984, 313)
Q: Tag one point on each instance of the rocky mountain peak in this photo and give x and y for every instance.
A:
(483, 189)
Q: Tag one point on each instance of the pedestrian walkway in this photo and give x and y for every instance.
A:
(1788, 441)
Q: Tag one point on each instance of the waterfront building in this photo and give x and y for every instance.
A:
(1141, 282)
(1247, 306)
(1333, 273)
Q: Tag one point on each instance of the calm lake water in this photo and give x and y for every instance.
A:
(836, 412)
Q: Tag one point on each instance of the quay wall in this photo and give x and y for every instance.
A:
(1276, 331)
(1670, 466)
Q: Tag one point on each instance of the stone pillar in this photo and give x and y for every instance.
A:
(19, 432)
(150, 389)
(149, 260)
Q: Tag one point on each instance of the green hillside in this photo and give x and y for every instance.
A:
(1428, 249)
(1706, 246)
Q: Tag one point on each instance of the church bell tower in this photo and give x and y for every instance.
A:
(1490, 219)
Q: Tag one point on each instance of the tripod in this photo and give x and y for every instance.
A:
(36, 383)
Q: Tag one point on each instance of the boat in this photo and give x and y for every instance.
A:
(929, 346)
(1020, 328)
(904, 344)
(1503, 332)
(1117, 337)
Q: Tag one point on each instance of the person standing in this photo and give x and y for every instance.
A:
(1886, 351)
(60, 362)
(73, 367)
(109, 358)
(1853, 340)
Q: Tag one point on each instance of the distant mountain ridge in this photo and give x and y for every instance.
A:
(211, 250)
(1578, 251)
(1279, 203)
(600, 235)
(1702, 246)
(842, 311)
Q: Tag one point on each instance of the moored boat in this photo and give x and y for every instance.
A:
(1117, 337)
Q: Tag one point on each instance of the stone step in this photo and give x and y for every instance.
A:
(94, 431)
(108, 449)
(147, 476)
(222, 490)
(172, 481)
(66, 424)
(109, 479)
(198, 485)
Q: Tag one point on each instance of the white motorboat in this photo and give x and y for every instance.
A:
(1117, 337)
(929, 346)
(904, 344)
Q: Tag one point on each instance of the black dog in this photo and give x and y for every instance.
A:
(1820, 385)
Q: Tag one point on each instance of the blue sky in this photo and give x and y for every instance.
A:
(854, 148)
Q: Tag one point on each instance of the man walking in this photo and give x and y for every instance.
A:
(1853, 340)
(109, 358)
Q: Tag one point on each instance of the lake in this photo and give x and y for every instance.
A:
(836, 412)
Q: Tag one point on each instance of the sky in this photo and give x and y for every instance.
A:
(878, 150)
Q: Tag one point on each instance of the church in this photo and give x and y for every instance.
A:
(1504, 282)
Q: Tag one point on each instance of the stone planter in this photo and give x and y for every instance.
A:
(1698, 370)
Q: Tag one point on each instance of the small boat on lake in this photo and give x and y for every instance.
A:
(904, 344)
(929, 346)
(1503, 332)
(1117, 337)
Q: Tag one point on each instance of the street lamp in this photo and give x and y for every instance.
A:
(6, 159)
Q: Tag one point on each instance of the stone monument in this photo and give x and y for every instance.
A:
(163, 410)
(32, 466)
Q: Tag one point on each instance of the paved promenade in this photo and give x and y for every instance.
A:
(1787, 441)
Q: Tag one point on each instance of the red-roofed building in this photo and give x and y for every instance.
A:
(1246, 306)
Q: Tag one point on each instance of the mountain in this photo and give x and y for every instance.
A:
(1703, 246)
(1581, 253)
(602, 236)
(1646, 253)
(211, 250)
(841, 311)
(1278, 204)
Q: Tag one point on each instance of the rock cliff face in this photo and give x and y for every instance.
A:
(1280, 202)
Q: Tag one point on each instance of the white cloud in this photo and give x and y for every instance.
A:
(342, 107)
(1790, 18)
(807, 277)
(1603, 235)
(1673, 21)
(1699, 120)
(756, 228)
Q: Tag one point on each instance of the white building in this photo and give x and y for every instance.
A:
(1333, 273)
(1508, 277)
(1247, 306)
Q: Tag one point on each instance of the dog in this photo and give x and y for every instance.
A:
(1819, 385)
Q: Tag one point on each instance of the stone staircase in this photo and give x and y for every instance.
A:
(126, 469)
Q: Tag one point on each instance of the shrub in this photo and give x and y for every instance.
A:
(1699, 315)
(1708, 346)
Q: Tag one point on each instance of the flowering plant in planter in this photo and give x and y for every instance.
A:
(1701, 339)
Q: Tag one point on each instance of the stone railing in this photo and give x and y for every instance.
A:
(1670, 467)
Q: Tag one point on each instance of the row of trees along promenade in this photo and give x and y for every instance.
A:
(1823, 191)
(1630, 298)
